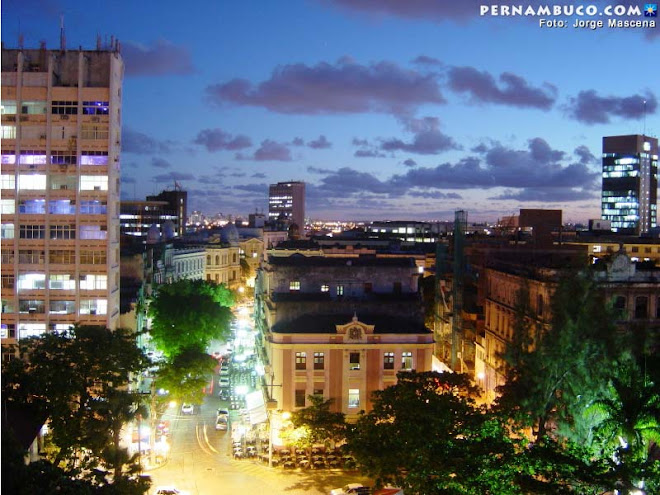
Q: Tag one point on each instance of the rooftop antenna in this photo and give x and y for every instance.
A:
(98, 42)
(644, 131)
(62, 36)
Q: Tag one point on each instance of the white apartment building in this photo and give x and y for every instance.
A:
(61, 129)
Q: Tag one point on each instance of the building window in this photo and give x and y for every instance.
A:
(325, 288)
(62, 257)
(31, 281)
(32, 182)
(31, 306)
(368, 287)
(641, 307)
(300, 398)
(7, 181)
(93, 306)
(62, 307)
(93, 183)
(94, 158)
(62, 158)
(64, 107)
(32, 206)
(406, 361)
(93, 207)
(94, 132)
(32, 232)
(31, 257)
(63, 281)
(7, 281)
(7, 206)
(7, 256)
(62, 207)
(93, 257)
(294, 285)
(7, 231)
(319, 360)
(93, 282)
(388, 361)
(301, 360)
(340, 290)
(95, 108)
(318, 392)
(8, 132)
(95, 232)
(353, 397)
(354, 361)
(63, 232)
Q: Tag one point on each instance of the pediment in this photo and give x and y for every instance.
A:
(355, 330)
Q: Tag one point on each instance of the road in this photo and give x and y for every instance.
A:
(201, 462)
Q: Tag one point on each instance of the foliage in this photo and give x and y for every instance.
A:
(426, 434)
(186, 375)
(427, 288)
(189, 314)
(78, 379)
(321, 424)
(551, 372)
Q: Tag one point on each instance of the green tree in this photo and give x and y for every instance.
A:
(321, 425)
(185, 375)
(554, 373)
(189, 314)
(79, 380)
(426, 434)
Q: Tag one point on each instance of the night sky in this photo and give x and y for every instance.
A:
(388, 109)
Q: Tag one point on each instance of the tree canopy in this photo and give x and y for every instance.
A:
(319, 423)
(79, 379)
(189, 314)
(185, 375)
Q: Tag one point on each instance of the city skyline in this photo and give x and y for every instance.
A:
(385, 110)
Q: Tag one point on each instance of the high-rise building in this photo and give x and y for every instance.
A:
(287, 199)
(630, 183)
(61, 129)
(177, 200)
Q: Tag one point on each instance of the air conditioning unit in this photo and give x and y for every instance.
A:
(10, 118)
(43, 136)
(32, 167)
(63, 186)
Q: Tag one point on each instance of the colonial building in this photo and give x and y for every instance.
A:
(340, 328)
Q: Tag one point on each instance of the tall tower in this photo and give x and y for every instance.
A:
(630, 183)
(287, 199)
(61, 128)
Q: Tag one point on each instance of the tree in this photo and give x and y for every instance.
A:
(553, 373)
(186, 374)
(320, 424)
(79, 379)
(426, 434)
(189, 314)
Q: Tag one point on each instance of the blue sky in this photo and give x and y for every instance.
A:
(388, 109)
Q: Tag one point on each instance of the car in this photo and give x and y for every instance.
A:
(350, 489)
(169, 490)
(221, 423)
(187, 408)
(222, 412)
(224, 382)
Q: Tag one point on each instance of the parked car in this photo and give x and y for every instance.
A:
(187, 408)
(169, 490)
(224, 382)
(351, 489)
(221, 423)
(222, 412)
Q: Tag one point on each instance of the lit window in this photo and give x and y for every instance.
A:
(31, 281)
(32, 206)
(294, 285)
(94, 158)
(93, 183)
(7, 231)
(62, 256)
(26, 330)
(388, 360)
(62, 307)
(340, 290)
(8, 132)
(93, 282)
(7, 181)
(96, 108)
(96, 232)
(93, 306)
(325, 288)
(406, 361)
(62, 281)
(7, 206)
(301, 360)
(31, 306)
(31, 257)
(32, 182)
(353, 397)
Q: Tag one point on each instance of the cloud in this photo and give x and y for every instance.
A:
(127, 180)
(341, 88)
(426, 60)
(368, 153)
(586, 157)
(410, 162)
(217, 140)
(254, 188)
(258, 175)
(542, 153)
(139, 143)
(347, 180)
(172, 176)
(413, 9)
(512, 89)
(548, 195)
(320, 143)
(160, 163)
(316, 170)
(161, 59)
(590, 108)
(297, 141)
(427, 140)
(267, 151)
(360, 142)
